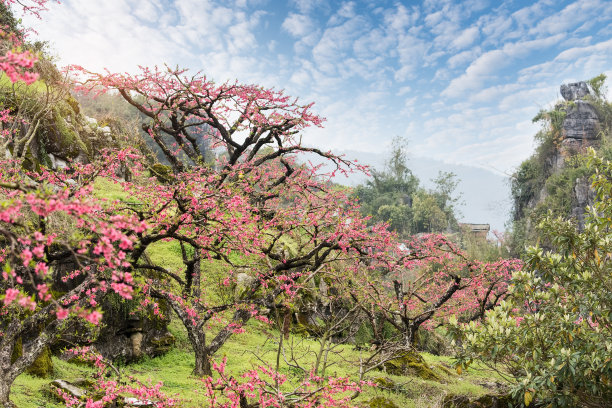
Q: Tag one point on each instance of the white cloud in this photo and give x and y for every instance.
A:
(335, 42)
(466, 38)
(400, 18)
(307, 6)
(494, 27)
(571, 16)
(474, 76)
(347, 9)
(463, 57)
(147, 10)
(411, 51)
(373, 43)
(298, 25)
(490, 62)
(577, 52)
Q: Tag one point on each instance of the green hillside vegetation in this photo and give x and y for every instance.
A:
(174, 370)
(427, 385)
(538, 186)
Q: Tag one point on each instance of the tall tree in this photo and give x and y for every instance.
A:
(255, 201)
(394, 196)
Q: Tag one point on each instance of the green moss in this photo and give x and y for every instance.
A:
(385, 383)
(485, 401)
(411, 364)
(74, 104)
(162, 172)
(43, 365)
(163, 344)
(69, 139)
(444, 369)
(17, 351)
(381, 402)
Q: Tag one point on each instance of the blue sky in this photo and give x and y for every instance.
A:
(460, 80)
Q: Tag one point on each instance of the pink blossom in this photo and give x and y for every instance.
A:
(62, 313)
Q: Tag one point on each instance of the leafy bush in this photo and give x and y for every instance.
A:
(552, 335)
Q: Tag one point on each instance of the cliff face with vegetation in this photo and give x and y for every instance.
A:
(555, 178)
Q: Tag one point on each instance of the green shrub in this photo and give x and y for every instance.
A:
(553, 332)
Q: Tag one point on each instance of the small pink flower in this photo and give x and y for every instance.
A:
(94, 317)
(62, 313)
(10, 295)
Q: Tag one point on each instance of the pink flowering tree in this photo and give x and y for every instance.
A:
(255, 200)
(423, 283)
(47, 221)
(16, 62)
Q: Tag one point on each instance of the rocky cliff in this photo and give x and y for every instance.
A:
(581, 126)
(555, 178)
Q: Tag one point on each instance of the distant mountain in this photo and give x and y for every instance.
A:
(485, 194)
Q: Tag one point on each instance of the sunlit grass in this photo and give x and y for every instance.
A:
(258, 345)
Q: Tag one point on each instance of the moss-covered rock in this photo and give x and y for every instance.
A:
(162, 344)
(381, 402)
(485, 401)
(161, 172)
(67, 137)
(413, 364)
(385, 383)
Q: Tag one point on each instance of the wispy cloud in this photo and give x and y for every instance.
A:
(298, 25)
(461, 80)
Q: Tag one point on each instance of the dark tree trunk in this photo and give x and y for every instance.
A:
(202, 362)
(197, 338)
(5, 390)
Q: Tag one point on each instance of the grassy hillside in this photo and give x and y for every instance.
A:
(174, 370)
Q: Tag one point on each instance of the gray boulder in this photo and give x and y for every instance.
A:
(69, 388)
(574, 91)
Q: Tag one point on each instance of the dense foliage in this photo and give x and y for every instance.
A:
(553, 333)
(394, 196)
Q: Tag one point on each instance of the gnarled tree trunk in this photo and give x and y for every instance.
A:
(5, 390)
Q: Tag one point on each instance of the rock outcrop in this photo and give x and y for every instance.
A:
(555, 178)
(129, 339)
(574, 91)
(581, 125)
(581, 129)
